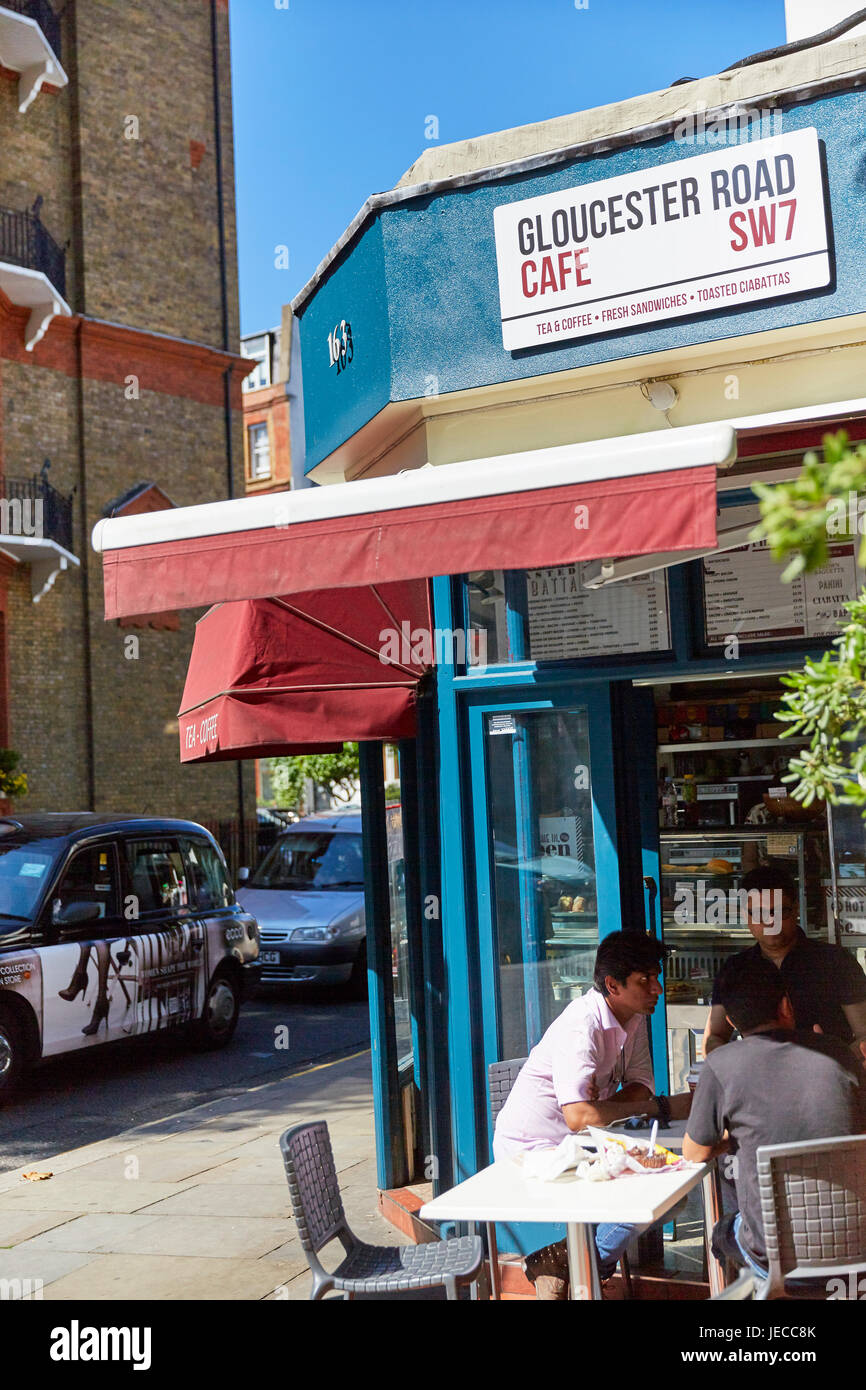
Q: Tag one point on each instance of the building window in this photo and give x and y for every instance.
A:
(263, 350)
(260, 451)
(258, 350)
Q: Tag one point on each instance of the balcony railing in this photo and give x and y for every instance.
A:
(20, 513)
(44, 15)
(24, 241)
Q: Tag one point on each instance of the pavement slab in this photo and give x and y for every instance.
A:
(248, 1237)
(149, 1162)
(171, 1277)
(92, 1233)
(70, 1194)
(39, 1268)
(19, 1226)
(218, 1199)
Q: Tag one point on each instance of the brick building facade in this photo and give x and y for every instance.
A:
(137, 379)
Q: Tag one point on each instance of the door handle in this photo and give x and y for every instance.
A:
(651, 887)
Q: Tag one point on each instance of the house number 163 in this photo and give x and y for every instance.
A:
(340, 347)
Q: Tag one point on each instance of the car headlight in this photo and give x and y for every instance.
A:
(345, 926)
(315, 933)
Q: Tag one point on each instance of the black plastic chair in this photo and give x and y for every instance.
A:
(366, 1269)
(501, 1076)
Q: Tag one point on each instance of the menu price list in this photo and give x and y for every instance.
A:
(744, 595)
(567, 620)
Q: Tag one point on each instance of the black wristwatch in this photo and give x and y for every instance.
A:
(664, 1106)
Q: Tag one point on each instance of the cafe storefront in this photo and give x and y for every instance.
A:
(540, 377)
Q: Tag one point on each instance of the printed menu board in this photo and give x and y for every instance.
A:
(567, 620)
(744, 596)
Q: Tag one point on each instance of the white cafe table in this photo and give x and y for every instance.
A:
(502, 1193)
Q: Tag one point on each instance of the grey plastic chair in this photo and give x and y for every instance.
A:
(501, 1076)
(813, 1207)
(366, 1269)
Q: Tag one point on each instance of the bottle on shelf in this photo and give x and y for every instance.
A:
(690, 799)
(669, 802)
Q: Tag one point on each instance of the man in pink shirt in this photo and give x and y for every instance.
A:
(591, 1067)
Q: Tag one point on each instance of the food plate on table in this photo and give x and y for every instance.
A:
(636, 1152)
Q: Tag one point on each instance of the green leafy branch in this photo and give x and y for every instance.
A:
(826, 700)
(336, 772)
(803, 517)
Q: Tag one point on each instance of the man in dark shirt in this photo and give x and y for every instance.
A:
(779, 1085)
(824, 983)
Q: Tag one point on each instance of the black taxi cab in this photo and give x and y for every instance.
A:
(112, 927)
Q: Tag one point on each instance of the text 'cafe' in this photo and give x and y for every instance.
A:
(575, 346)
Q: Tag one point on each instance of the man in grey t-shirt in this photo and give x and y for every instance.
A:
(777, 1086)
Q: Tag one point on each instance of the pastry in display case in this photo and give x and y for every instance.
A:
(572, 944)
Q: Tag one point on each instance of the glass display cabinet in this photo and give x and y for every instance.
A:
(701, 917)
(845, 888)
(703, 921)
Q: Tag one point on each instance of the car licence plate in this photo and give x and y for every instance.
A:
(269, 957)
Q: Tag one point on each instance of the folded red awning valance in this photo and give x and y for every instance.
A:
(304, 673)
(629, 496)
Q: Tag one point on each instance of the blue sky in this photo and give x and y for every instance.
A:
(331, 96)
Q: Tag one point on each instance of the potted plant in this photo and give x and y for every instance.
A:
(12, 783)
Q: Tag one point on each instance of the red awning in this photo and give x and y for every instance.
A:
(275, 675)
(301, 674)
(630, 496)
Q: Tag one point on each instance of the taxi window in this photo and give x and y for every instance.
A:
(157, 876)
(209, 884)
(24, 872)
(89, 877)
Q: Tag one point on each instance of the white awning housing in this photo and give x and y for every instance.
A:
(25, 49)
(662, 451)
(46, 558)
(34, 291)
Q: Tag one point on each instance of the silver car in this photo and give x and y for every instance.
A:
(307, 896)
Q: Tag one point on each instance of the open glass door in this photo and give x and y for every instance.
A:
(546, 862)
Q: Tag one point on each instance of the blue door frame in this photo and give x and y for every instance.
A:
(596, 701)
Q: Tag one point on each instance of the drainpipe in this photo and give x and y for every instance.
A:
(81, 308)
(224, 305)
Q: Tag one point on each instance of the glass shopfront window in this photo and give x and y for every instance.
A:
(399, 930)
(568, 612)
(847, 887)
(544, 883)
(485, 597)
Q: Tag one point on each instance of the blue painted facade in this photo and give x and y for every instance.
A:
(338, 404)
(420, 289)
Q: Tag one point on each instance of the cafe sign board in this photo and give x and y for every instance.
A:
(738, 225)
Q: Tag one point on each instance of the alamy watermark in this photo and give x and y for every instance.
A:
(731, 126)
(14, 1290)
(21, 516)
(424, 646)
(722, 907)
(846, 516)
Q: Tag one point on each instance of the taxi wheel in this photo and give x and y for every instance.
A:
(12, 1052)
(219, 1017)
